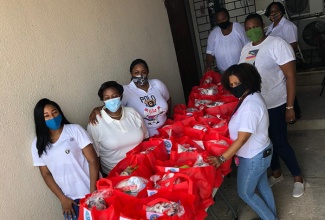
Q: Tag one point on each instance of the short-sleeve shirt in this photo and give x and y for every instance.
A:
(285, 30)
(267, 57)
(66, 162)
(114, 138)
(226, 49)
(151, 105)
(252, 117)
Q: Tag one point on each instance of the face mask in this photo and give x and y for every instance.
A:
(255, 34)
(275, 16)
(113, 104)
(224, 25)
(238, 91)
(140, 80)
(54, 123)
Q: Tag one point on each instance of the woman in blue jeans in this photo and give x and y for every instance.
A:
(248, 128)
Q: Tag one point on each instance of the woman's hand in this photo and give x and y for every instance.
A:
(290, 116)
(67, 208)
(92, 117)
(214, 161)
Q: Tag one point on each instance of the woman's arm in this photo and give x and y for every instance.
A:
(232, 150)
(53, 186)
(92, 117)
(289, 71)
(92, 159)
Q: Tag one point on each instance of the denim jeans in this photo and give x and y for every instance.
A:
(252, 175)
(281, 146)
(76, 211)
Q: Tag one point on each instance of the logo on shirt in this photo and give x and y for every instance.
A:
(151, 111)
(67, 151)
(251, 57)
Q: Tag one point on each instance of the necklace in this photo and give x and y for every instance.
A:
(117, 116)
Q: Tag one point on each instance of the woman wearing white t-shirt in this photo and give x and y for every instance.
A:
(275, 61)
(149, 97)
(225, 42)
(65, 156)
(248, 129)
(119, 129)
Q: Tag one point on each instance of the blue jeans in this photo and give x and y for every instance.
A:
(281, 146)
(252, 175)
(76, 211)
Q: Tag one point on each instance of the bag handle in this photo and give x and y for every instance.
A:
(104, 183)
(181, 175)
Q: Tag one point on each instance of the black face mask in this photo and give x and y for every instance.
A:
(224, 25)
(238, 91)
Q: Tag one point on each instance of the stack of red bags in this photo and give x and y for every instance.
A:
(168, 177)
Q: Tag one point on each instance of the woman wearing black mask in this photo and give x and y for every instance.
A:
(225, 42)
(248, 128)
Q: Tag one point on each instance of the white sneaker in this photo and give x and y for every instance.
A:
(273, 180)
(298, 189)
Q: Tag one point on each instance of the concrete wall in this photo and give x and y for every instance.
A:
(64, 50)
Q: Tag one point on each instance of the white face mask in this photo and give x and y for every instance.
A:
(113, 104)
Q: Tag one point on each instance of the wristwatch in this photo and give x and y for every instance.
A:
(222, 159)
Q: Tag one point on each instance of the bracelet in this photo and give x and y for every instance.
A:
(222, 159)
(289, 107)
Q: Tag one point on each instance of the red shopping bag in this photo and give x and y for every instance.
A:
(134, 165)
(172, 130)
(112, 212)
(184, 144)
(203, 177)
(216, 145)
(225, 109)
(183, 199)
(152, 149)
(210, 77)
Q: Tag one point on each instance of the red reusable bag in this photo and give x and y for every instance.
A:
(225, 109)
(210, 77)
(216, 145)
(139, 163)
(184, 199)
(152, 149)
(111, 213)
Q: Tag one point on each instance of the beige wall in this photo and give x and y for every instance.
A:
(64, 50)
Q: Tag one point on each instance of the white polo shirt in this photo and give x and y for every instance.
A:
(114, 138)
(151, 105)
(66, 162)
(252, 117)
(285, 30)
(226, 49)
(267, 57)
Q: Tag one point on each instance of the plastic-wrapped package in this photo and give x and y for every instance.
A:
(201, 102)
(219, 125)
(214, 104)
(148, 150)
(221, 142)
(168, 208)
(128, 170)
(200, 162)
(185, 148)
(132, 186)
(97, 199)
(200, 127)
(209, 91)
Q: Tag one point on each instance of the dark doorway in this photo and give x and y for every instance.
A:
(184, 42)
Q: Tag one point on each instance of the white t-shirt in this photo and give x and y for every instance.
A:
(114, 138)
(226, 49)
(151, 105)
(267, 58)
(285, 30)
(252, 117)
(66, 162)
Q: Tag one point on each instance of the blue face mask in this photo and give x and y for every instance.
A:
(113, 104)
(54, 123)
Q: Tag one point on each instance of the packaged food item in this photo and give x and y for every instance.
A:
(200, 127)
(132, 185)
(168, 208)
(219, 125)
(185, 148)
(128, 171)
(221, 142)
(201, 102)
(214, 104)
(148, 150)
(209, 91)
(97, 199)
(200, 162)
